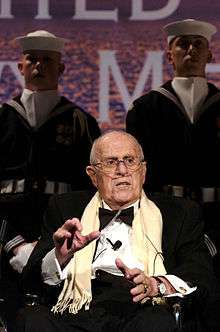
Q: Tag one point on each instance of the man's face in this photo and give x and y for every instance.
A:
(121, 186)
(41, 69)
(189, 55)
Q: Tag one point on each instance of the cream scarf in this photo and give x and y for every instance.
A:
(76, 291)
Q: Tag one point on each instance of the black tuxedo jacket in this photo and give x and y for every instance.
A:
(184, 251)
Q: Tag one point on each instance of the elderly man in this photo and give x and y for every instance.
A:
(119, 252)
(178, 124)
(45, 141)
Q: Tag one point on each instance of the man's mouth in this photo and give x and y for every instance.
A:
(123, 184)
(37, 74)
(193, 58)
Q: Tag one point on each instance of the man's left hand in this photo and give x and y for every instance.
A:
(144, 286)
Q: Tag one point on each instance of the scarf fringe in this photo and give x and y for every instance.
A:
(74, 305)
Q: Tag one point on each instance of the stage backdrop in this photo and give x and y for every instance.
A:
(115, 50)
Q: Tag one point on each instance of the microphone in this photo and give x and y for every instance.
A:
(158, 253)
(116, 245)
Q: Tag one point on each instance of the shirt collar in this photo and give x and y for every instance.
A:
(192, 92)
(135, 205)
(38, 105)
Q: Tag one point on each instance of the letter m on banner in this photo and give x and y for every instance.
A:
(109, 66)
(8, 79)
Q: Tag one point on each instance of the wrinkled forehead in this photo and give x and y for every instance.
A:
(118, 146)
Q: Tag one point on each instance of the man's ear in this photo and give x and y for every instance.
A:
(92, 174)
(20, 67)
(169, 57)
(144, 171)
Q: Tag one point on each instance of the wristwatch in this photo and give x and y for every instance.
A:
(160, 286)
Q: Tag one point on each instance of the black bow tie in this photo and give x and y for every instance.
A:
(105, 216)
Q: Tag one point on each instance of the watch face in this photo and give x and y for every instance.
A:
(162, 288)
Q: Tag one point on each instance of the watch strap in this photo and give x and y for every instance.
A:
(161, 287)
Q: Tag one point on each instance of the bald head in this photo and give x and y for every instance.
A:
(109, 138)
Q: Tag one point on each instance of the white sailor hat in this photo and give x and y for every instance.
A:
(189, 27)
(41, 40)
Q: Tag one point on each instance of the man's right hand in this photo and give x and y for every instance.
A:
(68, 239)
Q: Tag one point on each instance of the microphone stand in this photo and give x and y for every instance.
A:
(3, 228)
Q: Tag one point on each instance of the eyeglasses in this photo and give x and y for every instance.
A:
(110, 164)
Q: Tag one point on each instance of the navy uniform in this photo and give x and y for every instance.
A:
(45, 143)
(178, 152)
(178, 126)
(34, 164)
(38, 162)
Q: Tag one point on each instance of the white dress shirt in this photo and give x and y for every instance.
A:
(105, 256)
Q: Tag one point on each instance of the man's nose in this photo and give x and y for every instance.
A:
(39, 64)
(190, 48)
(121, 168)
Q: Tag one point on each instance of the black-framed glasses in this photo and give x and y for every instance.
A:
(110, 164)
